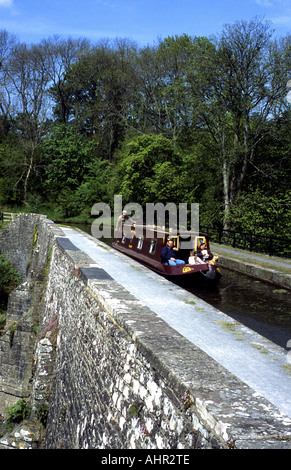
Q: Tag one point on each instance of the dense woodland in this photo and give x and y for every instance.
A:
(188, 119)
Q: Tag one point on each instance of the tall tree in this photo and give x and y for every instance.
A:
(247, 79)
(61, 54)
(147, 170)
(29, 79)
(101, 83)
(165, 92)
(7, 43)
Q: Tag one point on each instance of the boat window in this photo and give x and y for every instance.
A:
(198, 242)
(140, 243)
(153, 245)
(176, 241)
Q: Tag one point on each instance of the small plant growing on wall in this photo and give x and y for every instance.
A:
(144, 430)
(12, 329)
(34, 240)
(42, 413)
(16, 414)
(76, 272)
(135, 409)
(9, 280)
(187, 400)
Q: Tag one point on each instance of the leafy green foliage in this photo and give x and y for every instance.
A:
(189, 119)
(9, 280)
(261, 214)
(147, 169)
(42, 413)
(74, 177)
(68, 155)
(9, 277)
(10, 172)
(17, 413)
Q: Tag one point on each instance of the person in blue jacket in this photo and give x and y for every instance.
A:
(169, 254)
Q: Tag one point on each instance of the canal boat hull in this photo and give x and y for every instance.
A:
(145, 245)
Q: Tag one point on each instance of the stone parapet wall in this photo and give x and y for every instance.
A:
(116, 376)
(25, 242)
(111, 390)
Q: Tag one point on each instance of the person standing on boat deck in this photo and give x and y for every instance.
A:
(203, 253)
(169, 256)
(122, 219)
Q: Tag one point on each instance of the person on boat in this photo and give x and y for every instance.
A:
(122, 220)
(203, 253)
(168, 255)
(194, 259)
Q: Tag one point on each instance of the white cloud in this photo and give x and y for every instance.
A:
(282, 20)
(273, 3)
(264, 3)
(6, 3)
(106, 3)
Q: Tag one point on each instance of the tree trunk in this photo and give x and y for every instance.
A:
(30, 166)
(226, 194)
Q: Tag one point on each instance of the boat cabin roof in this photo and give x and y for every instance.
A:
(160, 233)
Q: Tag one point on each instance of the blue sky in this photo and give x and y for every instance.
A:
(144, 21)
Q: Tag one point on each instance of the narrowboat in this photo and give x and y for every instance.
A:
(145, 245)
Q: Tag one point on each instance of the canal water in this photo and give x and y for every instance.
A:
(261, 306)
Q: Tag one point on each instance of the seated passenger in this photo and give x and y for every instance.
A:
(168, 255)
(193, 258)
(203, 253)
